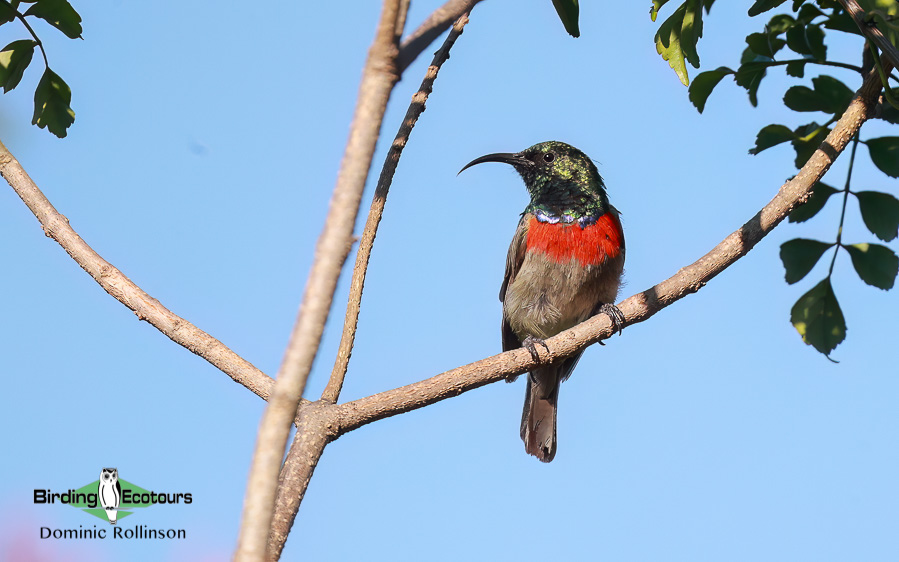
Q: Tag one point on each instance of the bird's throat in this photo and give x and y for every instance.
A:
(588, 242)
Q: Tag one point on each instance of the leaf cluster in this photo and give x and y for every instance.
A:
(794, 41)
(817, 315)
(52, 97)
(678, 35)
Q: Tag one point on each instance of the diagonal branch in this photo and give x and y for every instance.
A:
(323, 422)
(126, 291)
(871, 31)
(332, 390)
(637, 308)
(439, 21)
(378, 79)
(316, 425)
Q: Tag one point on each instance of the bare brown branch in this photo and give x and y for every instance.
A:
(317, 425)
(330, 421)
(378, 79)
(439, 21)
(872, 32)
(332, 390)
(126, 291)
(638, 307)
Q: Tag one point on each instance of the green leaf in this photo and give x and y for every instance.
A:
(816, 201)
(807, 40)
(750, 75)
(885, 154)
(51, 104)
(568, 13)
(803, 98)
(779, 24)
(808, 12)
(667, 40)
(818, 318)
(796, 69)
(691, 31)
(14, 59)
(876, 265)
(814, 35)
(889, 113)
(7, 12)
(58, 13)
(765, 44)
(771, 135)
(809, 138)
(842, 21)
(799, 256)
(836, 94)
(880, 213)
(704, 83)
(656, 6)
(829, 95)
(678, 35)
(762, 6)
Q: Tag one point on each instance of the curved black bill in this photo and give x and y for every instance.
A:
(515, 159)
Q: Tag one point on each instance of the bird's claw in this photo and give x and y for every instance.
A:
(615, 315)
(530, 343)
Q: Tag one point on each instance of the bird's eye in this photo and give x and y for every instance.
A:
(549, 157)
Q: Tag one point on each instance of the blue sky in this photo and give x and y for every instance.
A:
(201, 163)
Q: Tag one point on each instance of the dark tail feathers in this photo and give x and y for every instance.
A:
(538, 420)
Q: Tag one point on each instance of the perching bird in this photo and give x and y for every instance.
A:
(564, 266)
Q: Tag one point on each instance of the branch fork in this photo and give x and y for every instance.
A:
(269, 511)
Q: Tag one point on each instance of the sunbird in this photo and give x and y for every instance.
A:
(564, 266)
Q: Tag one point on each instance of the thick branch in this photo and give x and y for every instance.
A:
(332, 390)
(637, 308)
(439, 21)
(872, 32)
(378, 79)
(318, 423)
(126, 291)
(316, 427)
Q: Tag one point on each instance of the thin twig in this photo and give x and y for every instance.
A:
(439, 21)
(332, 390)
(34, 36)
(871, 31)
(316, 426)
(835, 64)
(378, 79)
(126, 291)
(846, 191)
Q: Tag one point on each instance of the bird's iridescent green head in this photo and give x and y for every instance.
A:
(561, 179)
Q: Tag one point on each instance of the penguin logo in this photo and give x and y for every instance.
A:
(110, 492)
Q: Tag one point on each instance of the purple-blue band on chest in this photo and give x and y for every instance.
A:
(549, 218)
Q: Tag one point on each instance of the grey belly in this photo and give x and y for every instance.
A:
(546, 298)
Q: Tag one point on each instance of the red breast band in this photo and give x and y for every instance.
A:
(590, 245)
